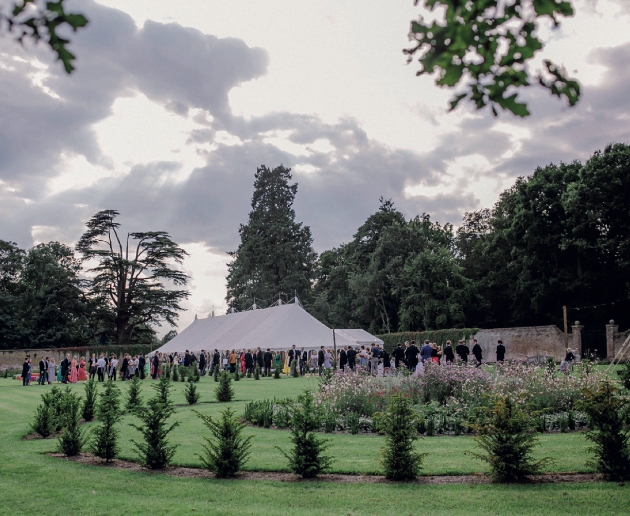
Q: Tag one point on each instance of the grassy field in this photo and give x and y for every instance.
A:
(31, 481)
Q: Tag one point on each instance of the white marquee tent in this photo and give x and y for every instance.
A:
(277, 328)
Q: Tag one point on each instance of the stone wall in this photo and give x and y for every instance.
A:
(524, 342)
(618, 340)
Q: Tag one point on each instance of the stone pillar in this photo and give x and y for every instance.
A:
(611, 329)
(576, 334)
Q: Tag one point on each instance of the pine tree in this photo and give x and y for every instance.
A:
(163, 390)
(224, 391)
(105, 443)
(155, 452)
(288, 263)
(175, 373)
(72, 440)
(237, 374)
(257, 372)
(91, 393)
(191, 393)
(134, 401)
(215, 372)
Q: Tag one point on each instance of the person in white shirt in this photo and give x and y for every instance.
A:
(100, 368)
(113, 364)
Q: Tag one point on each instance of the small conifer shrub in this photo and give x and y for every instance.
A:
(276, 373)
(71, 440)
(398, 457)
(215, 372)
(89, 405)
(44, 422)
(307, 457)
(190, 392)
(175, 373)
(224, 391)
(183, 373)
(163, 390)
(105, 442)
(226, 451)
(155, 452)
(505, 435)
(607, 412)
(257, 372)
(134, 400)
(237, 374)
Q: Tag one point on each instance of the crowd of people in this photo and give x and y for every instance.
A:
(374, 358)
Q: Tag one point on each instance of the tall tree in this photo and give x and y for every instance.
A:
(53, 306)
(275, 254)
(11, 265)
(129, 276)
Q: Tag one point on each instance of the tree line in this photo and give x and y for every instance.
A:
(560, 237)
(114, 289)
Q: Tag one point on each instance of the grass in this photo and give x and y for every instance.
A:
(28, 475)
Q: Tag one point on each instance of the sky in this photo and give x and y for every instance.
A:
(174, 105)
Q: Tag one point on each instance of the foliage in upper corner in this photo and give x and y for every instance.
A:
(485, 45)
(39, 20)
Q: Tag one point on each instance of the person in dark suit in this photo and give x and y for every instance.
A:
(267, 358)
(462, 351)
(411, 356)
(385, 358)
(187, 359)
(320, 359)
(500, 351)
(65, 365)
(42, 371)
(155, 364)
(351, 355)
(303, 361)
(425, 352)
(343, 359)
(399, 355)
(124, 368)
(476, 351)
(142, 362)
(249, 362)
(449, 356)
(260, 359)
(216, 360)
(292, 354)
(26, 366)
(202, 362)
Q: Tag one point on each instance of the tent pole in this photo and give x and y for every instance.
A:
(335, 350)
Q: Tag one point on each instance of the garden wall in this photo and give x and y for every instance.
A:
(520, 343)
(13, 358)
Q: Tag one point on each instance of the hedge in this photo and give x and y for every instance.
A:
(391, 340)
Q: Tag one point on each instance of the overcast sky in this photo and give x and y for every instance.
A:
(174, 104)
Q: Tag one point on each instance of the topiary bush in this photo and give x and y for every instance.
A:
(224, 391)
(237, 374)
(276, 373)
(398, 457)
(89, 405)
(506, 437)
(608, 411)
(175, 373)
(215, 372)
(191, 393)
(307, 457)
(226, 451)
(105, 442)
(163, 390)
(134, 400)
(257, 372)
(44, 421)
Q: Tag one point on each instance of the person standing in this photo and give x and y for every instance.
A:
(292, 354)
(462, 351)
(303, 361)
(51, 371)
(187, 359)
(376, 356)
(41, 380)
(260, 359)
(399, 355)
(93, 366)
(411, 356)
(320, 359)
(142, 362)
(425, 352)
(343, 358)
(82, 373)
(202, 362)
(476, 351)
(113, 364)
(267, 358)
(328, 359)
(25, 371)
(500, 351)
(65, 365)
(155, 365)
(351, 354)
(249, 362)
(74, 375)
(124, 368)
(449, 356)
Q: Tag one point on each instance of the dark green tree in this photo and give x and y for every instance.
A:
(191, 393)
(275, 254)
(134, 400)
(105, 435)
(41, 20)
(11, 265)
(89, 405)
(130, 276)
(227, 450)
(484, 46)
(224, 391)
(155, 452)
(72, 438)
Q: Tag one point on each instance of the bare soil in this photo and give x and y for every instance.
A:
(178, 471)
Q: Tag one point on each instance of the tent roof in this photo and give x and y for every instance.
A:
(359, 337)
(278, 328)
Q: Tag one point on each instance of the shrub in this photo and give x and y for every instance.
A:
(352, 422)
(134, 401)
(44, 422)
(191, 393)
(508, 443)
(399, 459)
(55, 400)
(183, 372)
(257, 372)
(155, 452)
(71, 440)
(215, 372)
(163, 390)
(227, 450)
(276, 373)
(224, 391)
(624, 375)
(89, 405)
(166, 371)
(307, 456)
(175, 373)
(607, 412)
(105, 443)
(195, 373)
(256, 412)
(237, 374)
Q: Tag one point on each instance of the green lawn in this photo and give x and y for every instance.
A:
(31, 480)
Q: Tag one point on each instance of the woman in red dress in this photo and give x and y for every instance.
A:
(82, 375)
(73, 374)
